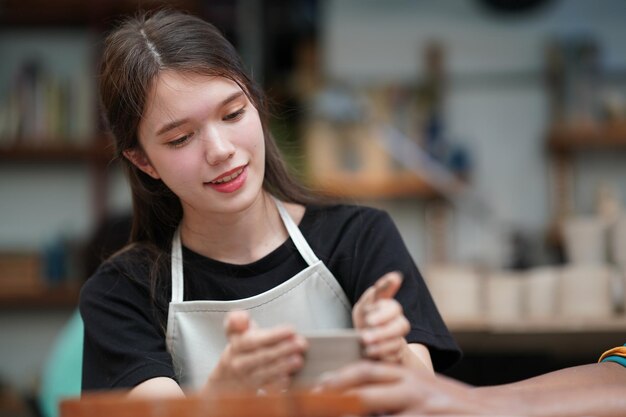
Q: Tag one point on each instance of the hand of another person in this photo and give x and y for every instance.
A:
(391, 389)
(257, 358)
(381, 321)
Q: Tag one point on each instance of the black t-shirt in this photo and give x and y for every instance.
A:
(125, 329)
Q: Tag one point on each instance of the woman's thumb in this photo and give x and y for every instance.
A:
(388, 285)
(236, 322)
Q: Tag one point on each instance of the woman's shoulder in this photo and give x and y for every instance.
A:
(130, 258)
(130, 266)
(343, 222)
(346, 213)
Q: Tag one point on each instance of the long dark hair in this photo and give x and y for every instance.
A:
(134, 55)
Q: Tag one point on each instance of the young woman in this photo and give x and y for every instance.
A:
(230, 261)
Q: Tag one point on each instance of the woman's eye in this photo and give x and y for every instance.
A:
(179, 141)
(235, 115)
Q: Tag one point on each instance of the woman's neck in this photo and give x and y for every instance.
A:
(237, 238)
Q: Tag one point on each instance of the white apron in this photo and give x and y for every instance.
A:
(310, 300)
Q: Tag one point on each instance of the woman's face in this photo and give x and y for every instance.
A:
(203, 138)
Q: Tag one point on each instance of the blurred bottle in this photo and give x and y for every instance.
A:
(431, 100)
(55, 262)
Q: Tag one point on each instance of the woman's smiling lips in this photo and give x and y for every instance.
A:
(230, 181)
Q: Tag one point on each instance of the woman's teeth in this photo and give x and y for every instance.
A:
(228, 177)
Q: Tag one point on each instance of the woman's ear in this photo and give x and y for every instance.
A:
(140, 160)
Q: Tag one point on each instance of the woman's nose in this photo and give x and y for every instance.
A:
(218, 148)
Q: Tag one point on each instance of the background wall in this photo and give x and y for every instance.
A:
(497, 104)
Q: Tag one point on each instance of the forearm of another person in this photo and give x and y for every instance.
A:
(595, 389)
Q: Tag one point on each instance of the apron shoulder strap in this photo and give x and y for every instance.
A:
(294, 232)
(177, 268)
(296, 235)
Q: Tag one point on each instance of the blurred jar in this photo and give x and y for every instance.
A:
(542, 292)
(457, 291)
(586, 291)
(618, 242)
(585, 240)
(505, 296)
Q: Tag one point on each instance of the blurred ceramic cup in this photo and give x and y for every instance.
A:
(618, 290)
(505, 296)
(585, 240)
(618, 242)
(457, 291)
(541, 292)
(585, 291)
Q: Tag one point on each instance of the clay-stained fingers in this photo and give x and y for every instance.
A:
(388, 285)
(382, 312)
(398, 327)
(277, 373)
(258, 338)
(245, 362)
(383, 289)
(389, 350)
(237, 322)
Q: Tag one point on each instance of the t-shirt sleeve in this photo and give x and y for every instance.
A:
(379, 249)
(124, 343)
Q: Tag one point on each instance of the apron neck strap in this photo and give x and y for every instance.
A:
(294, 233)
(177, 268)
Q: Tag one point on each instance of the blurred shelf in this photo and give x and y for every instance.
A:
(563, 141)
(99, 152)
(560, 337)
(61, 297)
(551, 325)
(404, 184)
(353, 160)
(566, 139)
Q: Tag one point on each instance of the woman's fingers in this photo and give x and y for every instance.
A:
(388, 285)
(365, 302)
(258, 357)
(398, 327)
(384, 338)
(258, 338)
(385, 288)
(265, 356)
(382, 312)
(277, 373)
(387, 350)
(390, 350)
(236, 322)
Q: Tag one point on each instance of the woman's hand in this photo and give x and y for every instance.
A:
(257, 358)
(380, 320)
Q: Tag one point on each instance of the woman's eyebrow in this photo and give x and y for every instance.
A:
(176, 123)
(231, 97)
(171, 125)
